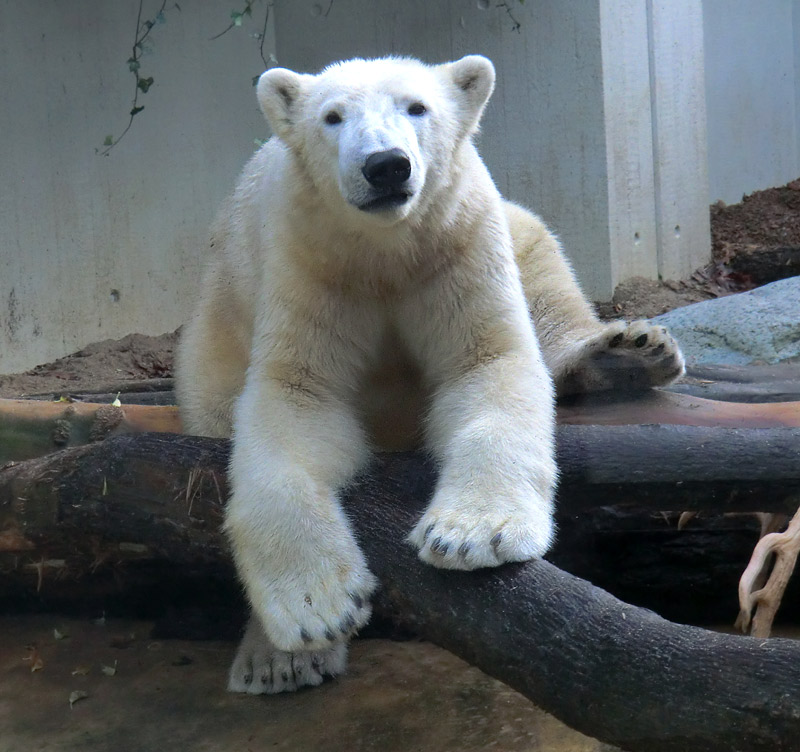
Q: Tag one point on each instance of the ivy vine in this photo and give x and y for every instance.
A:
(142, 84)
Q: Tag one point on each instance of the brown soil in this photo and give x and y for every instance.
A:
(765, 219)
(769, 218)
(110, 362)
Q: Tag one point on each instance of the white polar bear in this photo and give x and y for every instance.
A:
(364, 291)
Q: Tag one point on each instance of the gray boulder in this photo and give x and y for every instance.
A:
(759, 326)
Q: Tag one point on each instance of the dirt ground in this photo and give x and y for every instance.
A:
(70, 686)
(130, 692)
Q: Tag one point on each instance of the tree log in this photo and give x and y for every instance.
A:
(764, 265)
(611, 670)
(31, 428)
(772, 383)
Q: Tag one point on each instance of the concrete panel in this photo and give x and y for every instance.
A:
(680, 159)
(751, 93)
(94, 247)
(629, 139)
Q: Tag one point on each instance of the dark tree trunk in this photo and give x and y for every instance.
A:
(765, 265)
(611, 670)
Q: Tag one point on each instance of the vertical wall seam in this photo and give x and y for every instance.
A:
(651, 64)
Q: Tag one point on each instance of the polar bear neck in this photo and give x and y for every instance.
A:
(383, 261)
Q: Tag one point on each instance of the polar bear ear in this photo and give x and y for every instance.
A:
(279, 91)
(474, 77)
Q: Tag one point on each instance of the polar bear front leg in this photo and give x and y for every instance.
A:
(304, 574)
(620, 355)
(491, 425)
(493, 431)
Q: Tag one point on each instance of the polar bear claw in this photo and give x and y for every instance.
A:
(260, 668)
(625, 356)
(479, 534)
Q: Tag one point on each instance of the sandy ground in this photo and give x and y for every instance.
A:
(134, 694)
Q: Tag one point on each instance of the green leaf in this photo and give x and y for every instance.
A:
(255, 79)
(144, 84)
(133, 64)
(109, 140)
(136, 110)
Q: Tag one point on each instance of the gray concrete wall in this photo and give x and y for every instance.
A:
(597, 124)
(94, 247)
(752, 94)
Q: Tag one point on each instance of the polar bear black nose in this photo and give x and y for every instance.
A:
(387, 169)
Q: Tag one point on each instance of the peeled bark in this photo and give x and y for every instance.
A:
(31, 428)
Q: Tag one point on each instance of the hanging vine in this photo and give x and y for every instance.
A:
(238, 17)
(142, 85)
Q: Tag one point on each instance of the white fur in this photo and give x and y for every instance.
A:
(325, 325)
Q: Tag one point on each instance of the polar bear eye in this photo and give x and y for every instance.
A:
(417, 109)
(333, 118)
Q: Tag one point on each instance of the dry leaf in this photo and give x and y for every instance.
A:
(75, 695)
(109, 670)
(37, 664)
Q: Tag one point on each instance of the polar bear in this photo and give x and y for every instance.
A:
(369, 287)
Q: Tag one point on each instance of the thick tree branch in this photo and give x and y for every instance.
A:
(609, 669)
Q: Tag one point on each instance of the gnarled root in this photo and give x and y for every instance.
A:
(766, 598)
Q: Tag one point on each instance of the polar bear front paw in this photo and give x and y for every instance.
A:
(314, 606)
(260, 668)
(461, 535)
(624, 355)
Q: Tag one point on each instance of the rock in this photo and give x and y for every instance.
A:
(759, 326)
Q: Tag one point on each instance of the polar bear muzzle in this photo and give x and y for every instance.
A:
(387, 172)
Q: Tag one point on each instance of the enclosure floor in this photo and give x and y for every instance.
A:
(396, 697)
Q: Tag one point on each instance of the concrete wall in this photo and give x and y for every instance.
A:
(752, 94)
(598, 123)
(95, 247)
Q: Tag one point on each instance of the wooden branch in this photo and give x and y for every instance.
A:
(654, 406)
(766, 598)
(31, 428)
(764, 265)
(773, 383)
(608, 669)
(679, 468)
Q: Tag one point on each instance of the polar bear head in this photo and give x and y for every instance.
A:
(378, 136)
